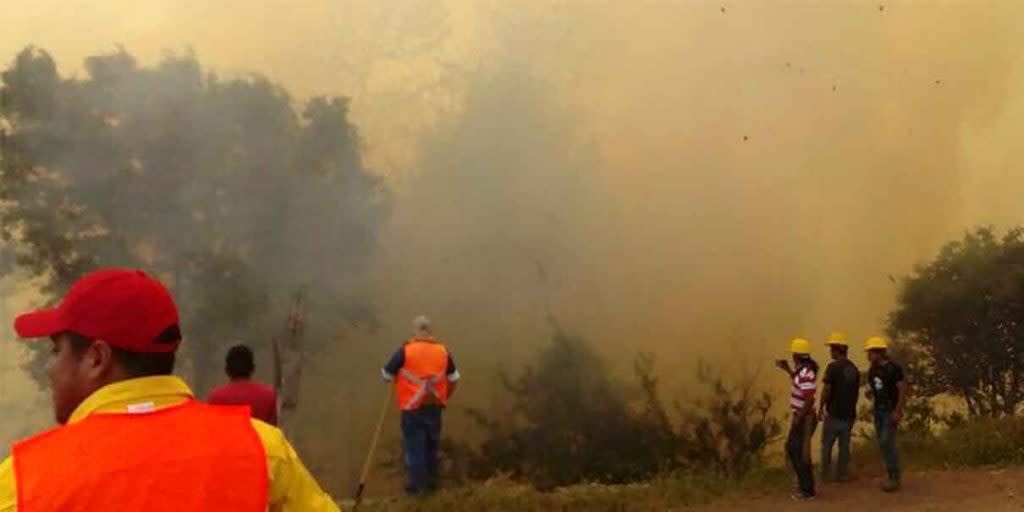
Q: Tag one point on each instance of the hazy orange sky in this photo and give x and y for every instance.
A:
(688, 177)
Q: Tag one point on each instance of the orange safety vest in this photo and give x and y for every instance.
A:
(424, 377)
(189, 457)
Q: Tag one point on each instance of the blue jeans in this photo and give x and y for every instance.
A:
(421, 438)
(885, 431)
(833, 430)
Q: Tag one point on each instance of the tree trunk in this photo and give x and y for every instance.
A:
(972, 409)
(204, 367)
(1013, 395)
(288, 367)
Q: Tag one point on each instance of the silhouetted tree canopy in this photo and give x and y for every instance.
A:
(218, 186)
(961, 318)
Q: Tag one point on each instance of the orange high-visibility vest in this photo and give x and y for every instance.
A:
(190, 457)
(424, 377)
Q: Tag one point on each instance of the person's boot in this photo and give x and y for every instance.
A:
(802, 496)
(892, 484)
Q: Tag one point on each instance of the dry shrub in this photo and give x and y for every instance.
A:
(566, 421)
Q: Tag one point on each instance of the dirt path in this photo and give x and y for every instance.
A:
(937, 491)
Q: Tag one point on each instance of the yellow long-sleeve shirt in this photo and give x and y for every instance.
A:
(292, 488)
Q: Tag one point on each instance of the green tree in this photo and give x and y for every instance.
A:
(219, 187)
(960, 319)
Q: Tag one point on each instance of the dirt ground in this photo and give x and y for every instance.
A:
(934, 491)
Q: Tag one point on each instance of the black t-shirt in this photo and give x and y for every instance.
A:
(883, 379)
(843, 379)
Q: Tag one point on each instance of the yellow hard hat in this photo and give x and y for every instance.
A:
(875, 343)
(837, 338)
(800, 346)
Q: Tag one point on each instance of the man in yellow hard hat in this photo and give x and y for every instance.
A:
(838, 409)
(803, 384)
(888, 389)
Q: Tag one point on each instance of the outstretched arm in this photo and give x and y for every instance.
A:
(783, 365)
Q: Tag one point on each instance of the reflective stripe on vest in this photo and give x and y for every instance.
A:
(423, 376)
(425, 386)
(188, 457)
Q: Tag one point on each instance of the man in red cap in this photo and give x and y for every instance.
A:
(131, 435)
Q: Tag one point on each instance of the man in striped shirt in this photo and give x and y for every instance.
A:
(803, 385)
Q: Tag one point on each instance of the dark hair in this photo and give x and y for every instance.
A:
(239, 362)
(134, 364)
(842, 349)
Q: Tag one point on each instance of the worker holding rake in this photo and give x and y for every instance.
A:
(425, 377)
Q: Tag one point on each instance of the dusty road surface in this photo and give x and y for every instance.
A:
(936, 491)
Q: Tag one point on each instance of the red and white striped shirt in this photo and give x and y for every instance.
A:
(805, 384)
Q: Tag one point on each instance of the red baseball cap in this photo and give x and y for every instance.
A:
(126, 308)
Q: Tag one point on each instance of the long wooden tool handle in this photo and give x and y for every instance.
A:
(368, 463)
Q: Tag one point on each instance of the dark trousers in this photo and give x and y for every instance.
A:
(885, 431)
(421, 438)
(836, 430)
(798, 450)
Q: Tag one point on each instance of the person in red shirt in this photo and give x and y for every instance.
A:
(242, 390)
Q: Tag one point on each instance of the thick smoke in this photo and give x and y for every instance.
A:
(693, 181)
(692, 178)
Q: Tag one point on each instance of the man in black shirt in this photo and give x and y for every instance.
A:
(888, 389)
(838, 408)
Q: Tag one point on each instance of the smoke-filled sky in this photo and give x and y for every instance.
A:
(694, 178)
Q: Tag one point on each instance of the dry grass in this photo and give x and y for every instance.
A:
(976, 443)
(503, 495)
